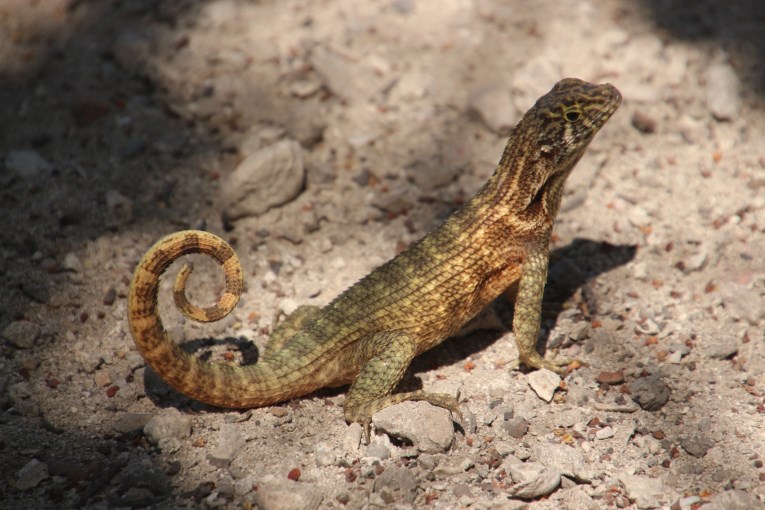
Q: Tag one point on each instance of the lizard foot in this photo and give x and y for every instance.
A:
(561, 366)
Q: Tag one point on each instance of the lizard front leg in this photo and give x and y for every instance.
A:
(389, 354)
(528, 309)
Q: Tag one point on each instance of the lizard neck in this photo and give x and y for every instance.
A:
(523, 187)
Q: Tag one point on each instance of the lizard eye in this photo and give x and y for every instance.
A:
(572, 115)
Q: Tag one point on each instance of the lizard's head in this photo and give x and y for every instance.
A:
(550, 139)
(568, 117)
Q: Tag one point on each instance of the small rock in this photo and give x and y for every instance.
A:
(643, 122)
(72, 263)
(650, 393)
(22, 334)
(638, 217)
(306, 123)
(230, 444)
(722, 91)
(19, 391)
(38, 291)
(346, 79)
(119, 209)
(170, 424)
(352, 439)
(225, 486)
(742, 302)
(128, 422)
(532, 480)
(110, 296)
(494, 106)
(544, 383)
(697, 445)
(570, 461)
(268, 178)
(287, 495)
(325, 455)
(396, 484)
(132, 50)
(604, 433)
(734, 500)
(27, 164)
(644, 491)
(611, 378)
(31, 475)
(427, 427)
(244, 485)
(138, 486)
(378, 450)
(516, 427)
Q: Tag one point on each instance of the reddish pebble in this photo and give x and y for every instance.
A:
(112, 390)
(612, 378)
(294, 474)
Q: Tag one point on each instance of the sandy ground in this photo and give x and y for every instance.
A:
(124, 121)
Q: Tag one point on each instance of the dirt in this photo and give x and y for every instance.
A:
(122, 122)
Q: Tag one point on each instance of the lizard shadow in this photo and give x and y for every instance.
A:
(572, 267)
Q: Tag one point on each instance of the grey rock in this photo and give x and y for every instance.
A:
(268, 178)
(697, 445)
(306, 123)
(132, 49)
(230, 444)
(37, 291)
(19, 391)
(244, 485)
(516, 427)
(119, 209)
(742, 302)
(533, 480)
(650, 393)
(128, 422)
(570, 461)
(348, 79)
(138, 486)
(604, 433)
(325, 455)
(722, 91)
(287, 495)
(27, 164)
(544, 383)
(31, 475)
(396, 485)
(493, 104)
(734, 500)
(170, 424)
(426, 427)
(645, 492)
(225, 486)
(22, 334)
(429, 176)
(378, 450)
(72, 263)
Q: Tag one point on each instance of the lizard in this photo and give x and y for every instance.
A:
(369, 334)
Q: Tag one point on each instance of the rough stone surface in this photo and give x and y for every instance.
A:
(268, 178)
(544, 383)
(169, 425)
(426, 427)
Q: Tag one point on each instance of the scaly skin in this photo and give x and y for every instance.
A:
(369, 334)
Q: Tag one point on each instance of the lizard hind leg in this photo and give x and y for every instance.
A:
(371, 391)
